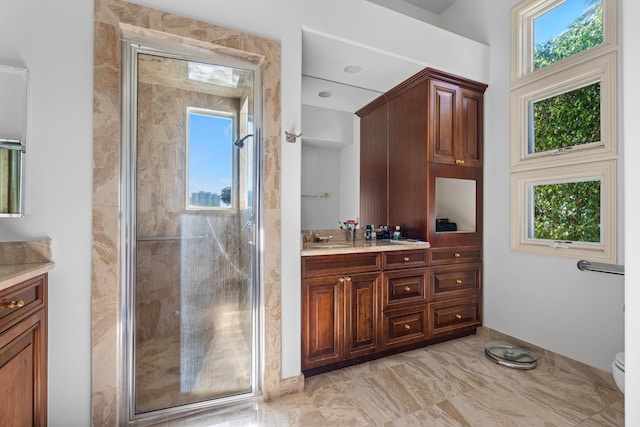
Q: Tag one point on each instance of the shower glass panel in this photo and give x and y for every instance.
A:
(195, 214)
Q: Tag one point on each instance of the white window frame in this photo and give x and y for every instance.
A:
(601, 69)
(521, 210)
(596, 160)
(522, 17)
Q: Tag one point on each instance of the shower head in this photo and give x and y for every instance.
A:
(240, 142)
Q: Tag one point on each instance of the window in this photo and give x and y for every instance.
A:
(563, 128)
(210, 159)
(551, 34)
(569, 116)
(568, 211)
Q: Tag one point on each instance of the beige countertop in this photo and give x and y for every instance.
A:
(23, 260)
(344, 247)
(13, 274)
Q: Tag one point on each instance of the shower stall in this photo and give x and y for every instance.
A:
(191, 235)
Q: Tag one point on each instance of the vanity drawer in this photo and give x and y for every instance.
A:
(326, 265)
(404, 288)
(404, 326)
(21, 300)
(455, 255)
(405, 259)
(453, 315)
(450, 281)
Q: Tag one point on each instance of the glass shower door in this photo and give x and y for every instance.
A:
(195, 209)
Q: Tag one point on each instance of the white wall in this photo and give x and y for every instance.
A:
(544, 300)
(54, 40)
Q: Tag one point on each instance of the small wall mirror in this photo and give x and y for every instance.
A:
(13, 120)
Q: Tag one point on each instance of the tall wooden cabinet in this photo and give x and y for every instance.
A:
(429, 151)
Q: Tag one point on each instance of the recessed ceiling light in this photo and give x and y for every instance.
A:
(325, 94)
(352, 69)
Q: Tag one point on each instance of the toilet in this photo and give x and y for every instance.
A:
(617, 367)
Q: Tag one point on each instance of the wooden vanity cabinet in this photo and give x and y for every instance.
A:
(361, 306)
(339, 307)
(23, 353)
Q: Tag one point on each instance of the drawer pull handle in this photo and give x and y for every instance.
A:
(16, 304)
(458, 316)
(407, 326)
(458, 282)
(406, 259)
(407, 289)
(457, 254)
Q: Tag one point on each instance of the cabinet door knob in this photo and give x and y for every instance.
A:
(16, 304)
(406, 259)
(348, 278)
(341, 280)
(458, 316)
(457, 254)
(407, 289)
(407, 326)
(458, 282)
(462, 162)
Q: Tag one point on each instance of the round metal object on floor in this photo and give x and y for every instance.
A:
(510, 355)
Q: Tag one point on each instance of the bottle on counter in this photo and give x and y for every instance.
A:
(367, 233)
(396, 234)
(385, 233)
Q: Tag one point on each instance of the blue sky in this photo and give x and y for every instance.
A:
(210, 153)
(557, 20)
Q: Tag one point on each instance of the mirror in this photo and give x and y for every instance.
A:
(13, 118)
(338, 78)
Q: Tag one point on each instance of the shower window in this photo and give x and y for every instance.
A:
(210, 160)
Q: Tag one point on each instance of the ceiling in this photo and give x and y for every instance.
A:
(323, 68)
(433, 6)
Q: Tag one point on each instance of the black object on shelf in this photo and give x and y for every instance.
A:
(443, 224)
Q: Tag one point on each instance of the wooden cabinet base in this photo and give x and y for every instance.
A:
(385, 353)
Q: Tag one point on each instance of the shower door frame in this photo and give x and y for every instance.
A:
(131, 46)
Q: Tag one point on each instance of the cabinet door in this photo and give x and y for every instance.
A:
(361, 301)
(443, 104)
(404, 326)
(322, 321)
(404, 288)
(469, 145)
(455, 315)
(23, 373)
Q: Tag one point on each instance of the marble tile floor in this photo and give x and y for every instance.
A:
(447, 384)
(165, 378)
